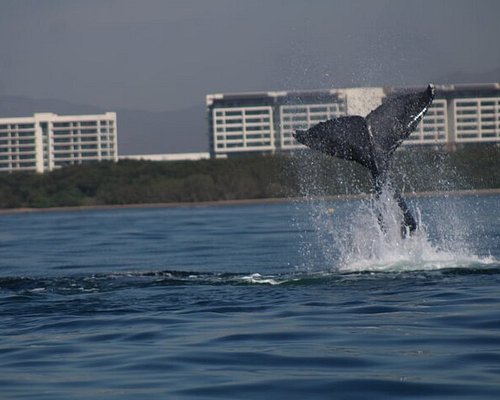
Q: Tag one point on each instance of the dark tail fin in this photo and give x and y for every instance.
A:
(344, 137)
(371, 141)
(392, 122)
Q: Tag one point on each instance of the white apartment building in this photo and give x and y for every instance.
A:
(250, 128)
(263, 122)
(476, 119)
(47, 141)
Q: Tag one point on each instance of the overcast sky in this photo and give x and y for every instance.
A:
(168, 54)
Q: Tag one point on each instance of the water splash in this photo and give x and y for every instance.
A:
(351, 239)
(369, 246)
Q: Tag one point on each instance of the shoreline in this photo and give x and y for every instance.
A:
(222, 203)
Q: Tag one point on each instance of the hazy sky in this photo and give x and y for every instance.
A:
(168, 54)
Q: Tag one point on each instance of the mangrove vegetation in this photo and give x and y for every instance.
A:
(303, 174)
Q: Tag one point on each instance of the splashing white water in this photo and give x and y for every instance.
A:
(357, 241)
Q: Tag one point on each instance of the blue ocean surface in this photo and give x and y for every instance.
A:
(303, 300)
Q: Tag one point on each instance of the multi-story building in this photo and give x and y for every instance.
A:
(475, 114)
(263, 122)
(46, 141)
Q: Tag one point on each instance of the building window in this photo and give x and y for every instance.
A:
(256, 112)
(234, 121)
(233, 113)
(467, 103)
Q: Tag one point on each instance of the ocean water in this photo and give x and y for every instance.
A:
(305, 300)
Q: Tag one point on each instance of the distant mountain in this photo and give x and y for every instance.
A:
(139, 132)
(468, 77)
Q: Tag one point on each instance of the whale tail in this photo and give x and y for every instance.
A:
(372, 141)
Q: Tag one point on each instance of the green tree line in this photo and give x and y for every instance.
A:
(303, 174)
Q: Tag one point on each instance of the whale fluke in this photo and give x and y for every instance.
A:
(372, 141)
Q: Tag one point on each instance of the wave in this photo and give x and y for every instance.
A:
(100, 283)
